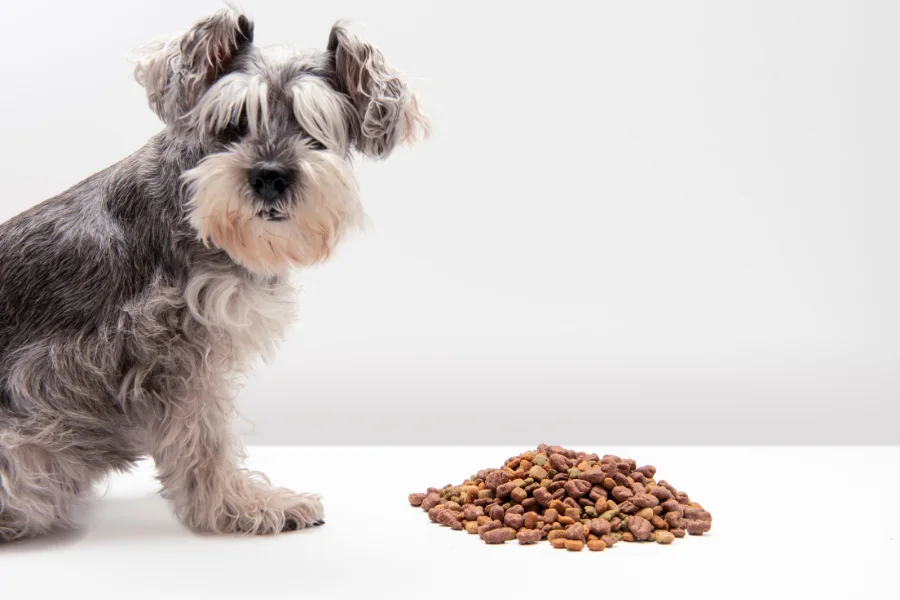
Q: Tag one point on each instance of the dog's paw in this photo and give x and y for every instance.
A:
(307, 511)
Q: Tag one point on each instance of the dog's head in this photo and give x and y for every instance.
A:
(277, 128)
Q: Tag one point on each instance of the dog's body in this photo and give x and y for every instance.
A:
(132, 302)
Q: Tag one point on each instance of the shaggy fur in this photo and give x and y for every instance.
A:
(132, 302)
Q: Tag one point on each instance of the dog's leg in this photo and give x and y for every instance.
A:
(198, 460)
(39, 491)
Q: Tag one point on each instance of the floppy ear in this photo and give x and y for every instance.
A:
(387, 111)
(175, 73)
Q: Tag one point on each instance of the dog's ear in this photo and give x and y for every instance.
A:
(176, 72)
(387, 111)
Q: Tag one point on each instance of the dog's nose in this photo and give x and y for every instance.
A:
(269, 182)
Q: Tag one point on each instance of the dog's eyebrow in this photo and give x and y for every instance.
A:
(321, 111)
(230, 96)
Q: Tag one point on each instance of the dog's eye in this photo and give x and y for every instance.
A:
(315, 144)
(234, 131)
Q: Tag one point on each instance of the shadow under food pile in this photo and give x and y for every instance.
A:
(570, 498)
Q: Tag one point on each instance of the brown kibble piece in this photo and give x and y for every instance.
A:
(575, 532)
(416, 499)
(679, 533)
(430, 501)
(674, 520)
(609, 540)
(472, 527)
(495, 478)
(671, 505)
(596, 545)
(496, 536)
(698, 514)
(600, 527)
(577, 488)
(529, 536)
(559, 463)
(558, 542)
(573, 513)
(627, 537)
(542, 496)
(518, 494)
(621, 493)
(697, 527)
(664, 537)
(645, 500)
(513, 520)
(574, 545)
(640, 527)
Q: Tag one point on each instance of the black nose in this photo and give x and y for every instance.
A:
(270, 183)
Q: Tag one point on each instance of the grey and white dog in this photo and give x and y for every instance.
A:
(131, 304)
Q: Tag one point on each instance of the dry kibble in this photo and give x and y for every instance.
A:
(430, 501)
(697, 527)
(571, 498)
(559, 462)
(696, 513)
(575, 532)
(529, 536)
(621, 493)
(556, 533)
(674, 520)
(577, 488)
(537, 473)
(518, 494)
(495, 479)
(496, 536)
(664, 537)
(640, 527)
(513, 520)
(600, 527)
(645, 500)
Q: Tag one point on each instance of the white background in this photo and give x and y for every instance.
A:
(637, 222)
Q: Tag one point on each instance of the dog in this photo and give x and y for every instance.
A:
(132, 303)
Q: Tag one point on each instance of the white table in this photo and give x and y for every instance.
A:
(787, 523)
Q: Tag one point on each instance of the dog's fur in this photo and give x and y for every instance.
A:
(132, 302)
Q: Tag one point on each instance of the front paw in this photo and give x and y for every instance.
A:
(258, 510)
(306, 512)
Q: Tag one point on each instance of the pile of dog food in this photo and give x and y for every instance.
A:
(573, 499)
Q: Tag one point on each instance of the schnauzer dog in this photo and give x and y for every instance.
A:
(133, 302)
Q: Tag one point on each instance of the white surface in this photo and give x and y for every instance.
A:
(787, 523)
(651, 204)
